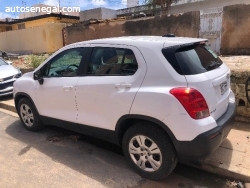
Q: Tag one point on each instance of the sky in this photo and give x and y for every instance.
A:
(84, 4)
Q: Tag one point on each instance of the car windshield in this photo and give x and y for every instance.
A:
(2, 62)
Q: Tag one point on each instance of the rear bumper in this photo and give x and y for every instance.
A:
(207, 142)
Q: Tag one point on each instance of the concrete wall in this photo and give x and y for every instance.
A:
(240, 74)
(186, 25)
(3, 28)
(108, 13)
(97, 13)
(235, 32)
(42, 39)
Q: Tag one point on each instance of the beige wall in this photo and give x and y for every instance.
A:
(42, 39)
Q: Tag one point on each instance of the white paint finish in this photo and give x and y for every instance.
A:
(26, 84)
(153, 98)
(56, 97)
(216, 102)
(150, 42)
(100, 102)
(7, 71)
(186, 128)
(53, 100)
(210, 27)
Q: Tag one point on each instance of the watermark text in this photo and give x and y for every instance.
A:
(47, 10)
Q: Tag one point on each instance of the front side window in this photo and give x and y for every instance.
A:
(65, 64)
(112, 61)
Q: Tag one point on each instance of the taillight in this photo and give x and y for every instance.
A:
(193, 101)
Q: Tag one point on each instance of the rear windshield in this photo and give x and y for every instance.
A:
(192, 59)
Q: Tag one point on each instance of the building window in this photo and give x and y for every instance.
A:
(21, 26)
(9, 28)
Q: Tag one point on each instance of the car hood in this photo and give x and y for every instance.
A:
(7, 70)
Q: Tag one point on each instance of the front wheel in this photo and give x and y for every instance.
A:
(29, 116)
(149, 150)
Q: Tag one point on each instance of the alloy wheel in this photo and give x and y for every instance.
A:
(145, 153)
(27, 115)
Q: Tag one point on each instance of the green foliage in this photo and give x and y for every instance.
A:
(36, 60)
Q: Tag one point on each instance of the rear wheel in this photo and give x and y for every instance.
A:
(29, 116)
(149, 150)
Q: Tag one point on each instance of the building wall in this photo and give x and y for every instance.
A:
(108, 13)
(2, 28)
(235, 31)
(201, 5)
(182, 25)
(97, 13)
(132, 3)
(42, 39)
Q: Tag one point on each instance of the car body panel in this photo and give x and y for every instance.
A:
(96, 102)
(107, 98)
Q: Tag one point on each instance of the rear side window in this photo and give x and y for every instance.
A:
(192, 59)
(107, 61)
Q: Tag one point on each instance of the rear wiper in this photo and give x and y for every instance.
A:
(214, 65)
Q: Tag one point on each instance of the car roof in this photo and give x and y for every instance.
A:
(143, 40)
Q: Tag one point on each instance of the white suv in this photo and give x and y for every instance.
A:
(163, 99)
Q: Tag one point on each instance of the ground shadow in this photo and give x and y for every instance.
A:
(101, 160)
(6, 98)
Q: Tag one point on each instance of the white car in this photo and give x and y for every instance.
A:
(8, 75)
(162, 99)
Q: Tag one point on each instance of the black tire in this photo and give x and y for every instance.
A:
(167, 157)
(29, 115)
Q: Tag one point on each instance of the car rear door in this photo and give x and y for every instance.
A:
(106, 92)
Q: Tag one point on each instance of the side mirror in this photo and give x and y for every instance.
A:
(39, 77)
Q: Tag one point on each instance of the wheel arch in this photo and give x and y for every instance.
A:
(19, 96)
(126, 121)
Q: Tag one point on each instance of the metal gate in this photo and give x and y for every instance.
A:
(210, 27)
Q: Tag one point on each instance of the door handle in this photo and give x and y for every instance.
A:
(67, 88)
(123, 85)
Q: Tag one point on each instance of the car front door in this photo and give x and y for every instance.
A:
(56, 96)
(114, 74)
